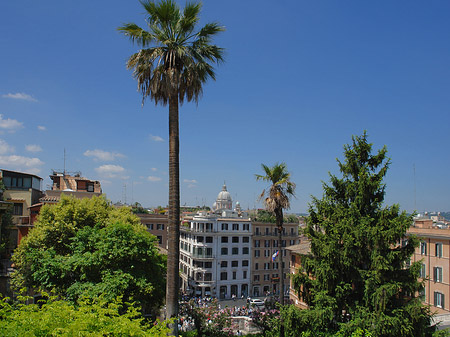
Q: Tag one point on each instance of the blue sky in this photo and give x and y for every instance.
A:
(300, 78)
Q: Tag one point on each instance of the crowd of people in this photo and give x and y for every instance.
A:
(187, 323)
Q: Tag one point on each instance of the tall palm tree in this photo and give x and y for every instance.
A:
(276, 198)
(174, 61)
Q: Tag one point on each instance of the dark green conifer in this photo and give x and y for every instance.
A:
(358, 273)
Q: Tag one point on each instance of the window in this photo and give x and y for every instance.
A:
(422, 294)
(235, 226)
(423, 248)
(408, 263)
(256, 266)
(437, 274)
(292, 231)
(235, 251)
(223, 276)
(150, 226)
(267, 230)
(266, 252)
(18, 208)
(159, 239)
(209, 239)
(235, 239)
(291, 242)
(266, 277)
(224, 239)
(234, 263)
(266, 243)
(208, 252)
(234, 275)
(256, 278)
(245, 239)
(266, 266)
(257, 231)
(244, 274)
(200, 238)
(208, 277)
(246, 227)
(423, 272)
(160, 226)
(224, 226)
(224, 251)
(257, 253)
(245, 250)
(244, 263)
(438, 299)
(257, 243)
(208, 264)
(438, 249)
(224, 264)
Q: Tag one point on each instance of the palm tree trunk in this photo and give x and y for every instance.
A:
(279, 219)
(173, 230)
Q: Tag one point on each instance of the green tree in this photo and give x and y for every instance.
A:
(89, 317)
(357, 274)
(89, 248)
(173, 64)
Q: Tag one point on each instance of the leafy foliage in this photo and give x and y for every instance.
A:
(87, 318)
(267, 217)
(89, 248)
(6, 222)
(356, 275)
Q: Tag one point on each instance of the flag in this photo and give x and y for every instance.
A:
(274, 256)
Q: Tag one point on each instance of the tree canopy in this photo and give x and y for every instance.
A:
(89, 248)
(89, 317)
(358, 274)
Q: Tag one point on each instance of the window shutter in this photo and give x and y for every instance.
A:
(435, 275)
(442, 300)
(435, 299)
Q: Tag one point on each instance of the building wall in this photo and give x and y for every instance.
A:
(215, 256)
(264, 271)
(431, 259)
(157, 225)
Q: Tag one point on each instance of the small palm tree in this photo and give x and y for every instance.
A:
(277, 198)
(173, 64)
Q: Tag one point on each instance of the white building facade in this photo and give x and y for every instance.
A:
(215, 257)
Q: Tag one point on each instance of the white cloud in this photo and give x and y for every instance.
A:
(5, 147)
(10, 124)
(21, 163)
(193, 181)
(154, 169)
(153, 178)
(42, 128)
(33, 148)
(111, 171)
(156, 138)
(100, 155)
(21, 96)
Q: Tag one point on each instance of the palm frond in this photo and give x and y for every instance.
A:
(175, 60)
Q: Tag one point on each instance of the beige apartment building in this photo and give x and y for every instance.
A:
(434, 255)
(157, 225)
(264, 271)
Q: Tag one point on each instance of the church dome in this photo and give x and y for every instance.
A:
(224, 199)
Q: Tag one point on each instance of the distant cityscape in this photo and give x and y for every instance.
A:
(225, 252)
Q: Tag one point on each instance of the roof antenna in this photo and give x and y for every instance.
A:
(64, 162)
